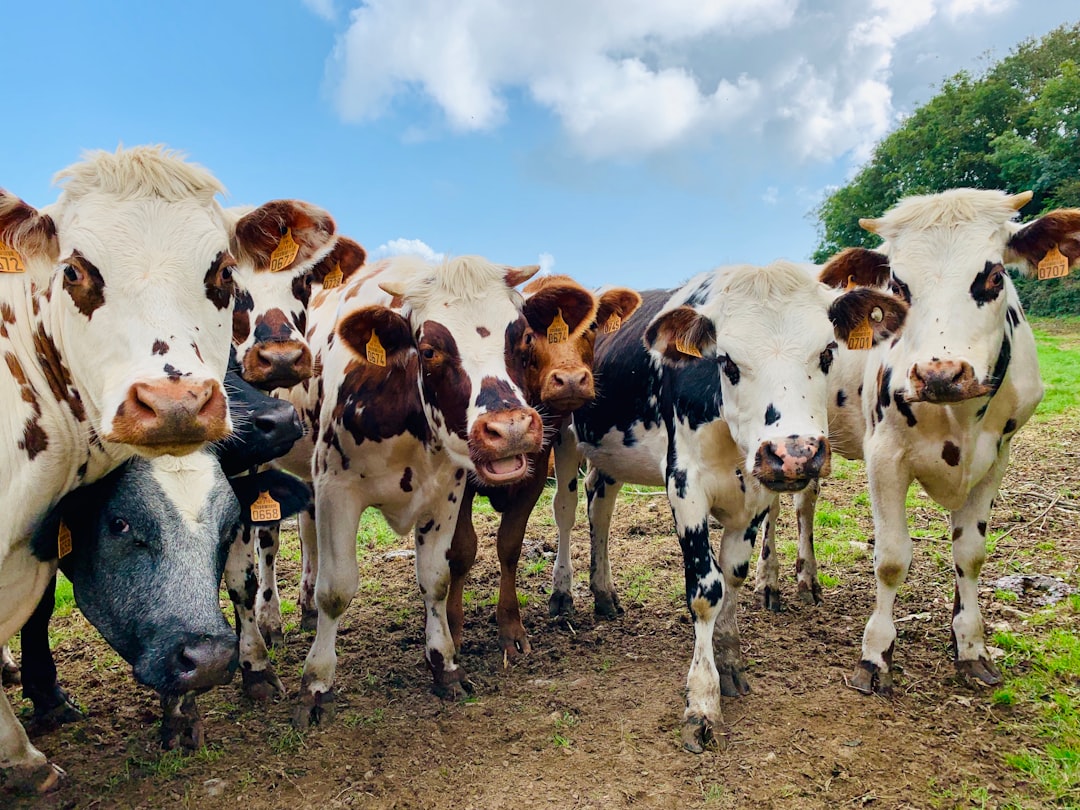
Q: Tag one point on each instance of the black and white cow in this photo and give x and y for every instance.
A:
(718, 390)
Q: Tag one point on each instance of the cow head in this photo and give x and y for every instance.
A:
(556, 348)
(459, 317)
(281, 248)
(773, 333)
(946, 255)
(136, 285)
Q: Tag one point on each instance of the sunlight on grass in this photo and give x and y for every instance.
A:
(1059, 365)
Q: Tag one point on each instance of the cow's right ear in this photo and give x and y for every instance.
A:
(883, 312)
(619, 301)
(347, 256)
(858, 266)
(681, 336)
(376, 329)
(31, 235)
(291, 494)
(572, 302)
(283, 235)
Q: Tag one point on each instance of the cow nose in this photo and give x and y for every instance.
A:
(279, 428)
(279, 365)
(790, 464)
(199, 662)
(568, 389)
(174, 415)
(944, 381)
(499, 434)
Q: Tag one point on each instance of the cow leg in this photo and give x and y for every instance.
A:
(736, 548)
(600, 494)
(337, 514)
(809, 589)
(52, 706)
(768, 570)
(892, 558)
(309, 567)
(969, 552)
(181, 723)
(462, 557)
(260, 682)
(9, 670)
(512, 636)
(267, 602)
(564, 507)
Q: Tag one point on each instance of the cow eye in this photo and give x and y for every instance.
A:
(119, 526)
(428, 353)
(226, 273)
(997, 278)
(73, 274)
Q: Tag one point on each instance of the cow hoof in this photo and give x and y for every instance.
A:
(273, 636)
(262, 685)
(810, 596)
(309, 620)
(453, 688)
(982, 670)
(696, 734)
(58, 714)
(314, 710)
(729, 664)
(560, 603)
(187, 733)
(513, 648)
(10, 674)
(733, 682)
(770, 599)
(606, 605)
(869, 679)
(32, 779)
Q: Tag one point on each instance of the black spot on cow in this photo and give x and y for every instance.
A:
(700, 294)
(741, 570)
(981, 526)
(742, 481)
(772, 416)
(452, 498)
(841, 398)
(1010, 426)
(884, 392)
(679, 478)
(904, 408)
(900, 289)
(988, 284)
(426, 527)
(766, 552)
(406, 480)
(959, 572)
(731, 370)
(572, 486)
(459, 474)
(267, 595)
(827, 356)
(957, 533)
(265, 538)
(950, 453)
(1012, 316)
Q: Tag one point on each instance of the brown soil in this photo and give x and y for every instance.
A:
(591, 717)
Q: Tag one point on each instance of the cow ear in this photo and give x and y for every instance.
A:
(347, 256)
(370, 330)
(618, 301)
(32, 237)
(884, 312)
(283, 235)
(573, 303)
(1030, 244)
(292, 494)
(858, 266)
(518, 275)
(681, 335)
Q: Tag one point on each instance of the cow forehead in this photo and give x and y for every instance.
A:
(940, 255)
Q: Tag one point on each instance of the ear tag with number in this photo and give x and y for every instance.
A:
(63, 541)
(1053, 265)
(333, 278)
(265, 508)
(861, 337)
(10, 260)
(687, 348)
(559, 331)
(285, 252)
(376, 354)
(614, 324)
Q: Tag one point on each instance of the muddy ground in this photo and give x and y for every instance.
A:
(591, 717)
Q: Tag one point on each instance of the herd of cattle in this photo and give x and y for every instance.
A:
(141, 324)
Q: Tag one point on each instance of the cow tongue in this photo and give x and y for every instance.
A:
(505, 466)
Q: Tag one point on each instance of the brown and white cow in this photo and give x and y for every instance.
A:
(942, 403)
(554, 348)
(115, 329)
(408, 405)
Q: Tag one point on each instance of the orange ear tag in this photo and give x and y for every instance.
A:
(1053, 265)
(333, 278)
(265, 508)
(284, 253)
(559, 331)
(687, 348)
(63, 541)
(376, 354)
(10, 260)
(861, 337)
(614, 324)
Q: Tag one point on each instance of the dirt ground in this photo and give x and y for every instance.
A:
(590, 719)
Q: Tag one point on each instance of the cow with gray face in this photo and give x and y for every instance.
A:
(941, 404)
(718, 390)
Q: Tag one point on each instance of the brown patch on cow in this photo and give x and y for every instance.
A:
(483, 331)
(301, 290)
(7, 315)
(273, 325)
(218, 281)
(56, 373)
(957, 533)
(259, 232)
(242, 315)
(161, 347)
(890, 574)
(865, 268)
(1032, 242)
(446, 387)
(83, 282)
(195, 348)
(951, 454)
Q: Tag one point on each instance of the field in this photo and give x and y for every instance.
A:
(590, 719)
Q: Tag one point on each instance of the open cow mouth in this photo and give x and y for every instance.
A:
(504, 470)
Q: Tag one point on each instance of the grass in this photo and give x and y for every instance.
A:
(1059, 364)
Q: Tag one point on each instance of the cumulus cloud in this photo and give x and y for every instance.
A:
(771, 196)
(415, 247)
(546, 262)
(628, 78)
(321, 8)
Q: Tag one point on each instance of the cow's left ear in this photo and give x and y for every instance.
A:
(858, 266)
(283, 235)
(884, 312)
(1033, 240)
(347, 256)
(618, 301)
(681, 335)
(573, 303)
(31, 235)
(371, 330)
(292, 494)
(519, 275)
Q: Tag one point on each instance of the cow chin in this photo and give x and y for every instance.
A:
(502, 471)
(785, 484)
(946, 395)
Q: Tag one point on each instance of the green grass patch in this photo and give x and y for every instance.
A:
(1059, 365)
(65, 597)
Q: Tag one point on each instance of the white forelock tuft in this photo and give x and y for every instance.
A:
(138, 173)
(958, 206)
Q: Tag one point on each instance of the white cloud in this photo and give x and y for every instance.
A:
(398, 247)
(628, 78)
(546, 262)
(321, 8)
(771, 196)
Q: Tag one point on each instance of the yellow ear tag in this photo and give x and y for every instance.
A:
(687, 348)
(861, 337)
(376, 354)
(10, 260)
(284, 253)
(333, 278)
(1053, 265)
(63, 541)
(851, 285)
(265, 508)
(614, 324)
(559, 331)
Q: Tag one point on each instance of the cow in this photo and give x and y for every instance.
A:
(409, 404)
(115, 327)
(942, 403)
(716, 390)
(555, 351)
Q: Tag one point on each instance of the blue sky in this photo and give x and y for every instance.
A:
(620, 141)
